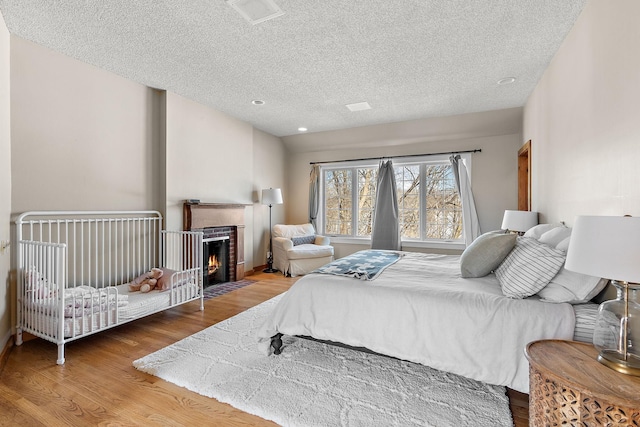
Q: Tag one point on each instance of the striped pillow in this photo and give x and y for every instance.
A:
(528, 268)
(586, 315)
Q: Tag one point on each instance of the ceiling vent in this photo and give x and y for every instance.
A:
(256, 11)
(359, 106)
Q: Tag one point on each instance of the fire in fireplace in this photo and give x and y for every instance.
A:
(216, 260)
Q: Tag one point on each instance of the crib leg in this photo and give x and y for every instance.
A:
(276, 343)
(60, 360)
(19, 336)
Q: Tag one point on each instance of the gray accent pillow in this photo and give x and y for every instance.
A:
(528, 268)
(304, 240)
(486, 253)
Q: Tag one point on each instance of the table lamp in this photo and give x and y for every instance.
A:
(519, 221)
(609, 247)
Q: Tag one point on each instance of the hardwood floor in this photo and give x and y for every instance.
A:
(99, 386)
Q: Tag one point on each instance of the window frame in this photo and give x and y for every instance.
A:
(422, 161)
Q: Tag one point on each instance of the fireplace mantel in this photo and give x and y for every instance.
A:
(198, 216)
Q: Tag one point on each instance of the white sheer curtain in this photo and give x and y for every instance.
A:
(386, 225)
(314, 195)
(470, 223)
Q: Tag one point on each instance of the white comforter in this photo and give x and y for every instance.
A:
(421, 310)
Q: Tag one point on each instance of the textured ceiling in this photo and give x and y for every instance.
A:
(408, 59)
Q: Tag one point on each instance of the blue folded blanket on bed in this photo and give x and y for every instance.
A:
(363, 265)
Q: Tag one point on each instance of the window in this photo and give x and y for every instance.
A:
(428, 202)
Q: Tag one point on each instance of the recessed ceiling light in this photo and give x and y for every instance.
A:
(256, 11)
(302, 129)
(359, 106)
(257, 102)
(506, 81)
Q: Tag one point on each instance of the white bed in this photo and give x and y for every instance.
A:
(420, 309)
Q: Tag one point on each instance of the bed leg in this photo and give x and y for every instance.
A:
(60, 360)
(276, 343)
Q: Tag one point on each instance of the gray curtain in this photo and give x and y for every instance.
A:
(314, 195)
(386, 224)
(470, 223)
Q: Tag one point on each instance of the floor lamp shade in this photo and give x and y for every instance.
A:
(519, 221)
(271, 196)
(609, 247)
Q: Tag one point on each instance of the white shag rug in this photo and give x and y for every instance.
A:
(316, 384)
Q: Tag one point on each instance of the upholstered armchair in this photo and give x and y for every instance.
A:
(298, 250)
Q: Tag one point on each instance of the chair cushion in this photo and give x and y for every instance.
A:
(289, 231)
(309, 251)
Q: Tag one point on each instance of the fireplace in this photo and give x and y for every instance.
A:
(219, 221)
(215, 264)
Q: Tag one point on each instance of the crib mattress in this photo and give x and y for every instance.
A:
(139, 305)
(142, 304)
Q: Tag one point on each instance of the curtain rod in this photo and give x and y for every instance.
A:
(477, 150)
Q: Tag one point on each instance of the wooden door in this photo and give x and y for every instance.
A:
(524, 177)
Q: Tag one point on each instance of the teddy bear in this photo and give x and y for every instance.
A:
(146, 282)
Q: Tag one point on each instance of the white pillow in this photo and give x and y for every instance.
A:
(538, 230)
(569, 286)
(564, 244)
(528, 268)
(554, 236)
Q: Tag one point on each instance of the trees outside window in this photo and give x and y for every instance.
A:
(428, 202)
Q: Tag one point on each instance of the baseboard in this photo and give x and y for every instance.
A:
(259, 268)
(8, 341)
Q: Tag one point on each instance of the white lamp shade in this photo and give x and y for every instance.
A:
(606, 246)
(271, 196)
(519, 220)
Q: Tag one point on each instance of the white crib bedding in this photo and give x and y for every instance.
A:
(137, 305)
(141, 304)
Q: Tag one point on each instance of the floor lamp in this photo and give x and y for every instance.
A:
(271, 196)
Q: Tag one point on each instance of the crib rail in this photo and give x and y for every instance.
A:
(104, 248)
(41, 282)
(70, 264)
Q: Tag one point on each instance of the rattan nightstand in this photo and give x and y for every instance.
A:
(569, 387)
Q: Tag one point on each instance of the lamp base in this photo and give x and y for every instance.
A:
(269, 270)
(615, 360)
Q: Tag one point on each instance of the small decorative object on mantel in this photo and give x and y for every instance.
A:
(519, 221)
(193, 201)
(607, 247)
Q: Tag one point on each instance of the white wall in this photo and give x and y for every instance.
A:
(584, 120)
(494, 171)
(82, 138)
(269, 171)
(219, 159)
(5, 183)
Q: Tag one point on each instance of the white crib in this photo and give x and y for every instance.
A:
(73, 270)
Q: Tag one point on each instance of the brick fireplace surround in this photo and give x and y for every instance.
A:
(220, 219)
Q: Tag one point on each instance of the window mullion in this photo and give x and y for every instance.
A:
(423, 201)
(354, 202)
